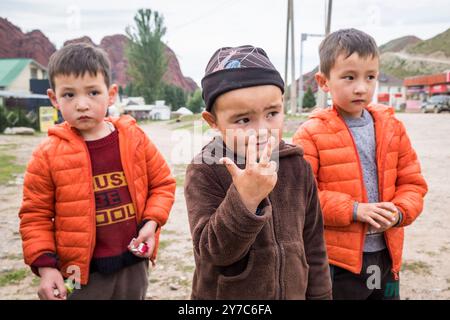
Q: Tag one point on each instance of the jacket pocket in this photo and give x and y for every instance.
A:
(256, 281)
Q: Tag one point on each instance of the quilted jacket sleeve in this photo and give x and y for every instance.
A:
(337, 207)
(37, 210)
(410, 185)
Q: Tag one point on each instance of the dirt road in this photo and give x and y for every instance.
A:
(426, 272)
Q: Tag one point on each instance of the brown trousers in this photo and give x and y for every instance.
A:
(129, 283)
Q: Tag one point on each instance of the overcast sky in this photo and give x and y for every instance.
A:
(196, 28)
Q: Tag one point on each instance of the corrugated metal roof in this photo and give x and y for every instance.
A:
(10, 70)
(21, 95)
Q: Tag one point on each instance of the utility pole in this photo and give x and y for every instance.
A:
(301, 93)
(290, 31)
(321, 95)
(286, 56)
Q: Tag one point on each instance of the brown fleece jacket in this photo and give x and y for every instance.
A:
(278, 253)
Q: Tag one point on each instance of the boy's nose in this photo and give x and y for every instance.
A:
(360, 89)
(82, 105)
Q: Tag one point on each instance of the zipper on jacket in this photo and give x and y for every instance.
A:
(93, 206)
(380, 199)
(363, 188)
(127, 173)
(278, 250)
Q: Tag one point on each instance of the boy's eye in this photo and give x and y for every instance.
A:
(68, 95)
(348, 78)
(272, 114)
(371, 77)
(94, 93)
(242, 121)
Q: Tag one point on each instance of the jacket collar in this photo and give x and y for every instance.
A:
(66, 132)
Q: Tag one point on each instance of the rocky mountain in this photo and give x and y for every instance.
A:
(115, 47)
(16, 44)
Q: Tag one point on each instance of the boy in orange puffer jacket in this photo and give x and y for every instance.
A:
(92, 187)
(368, 175)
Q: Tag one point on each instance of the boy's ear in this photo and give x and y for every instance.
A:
(210, 119)
(112, 93)
(322, 81)
(52, 96)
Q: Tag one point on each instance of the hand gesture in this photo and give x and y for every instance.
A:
(257, 179)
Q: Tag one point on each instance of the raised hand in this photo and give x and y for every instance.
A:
(257, 180)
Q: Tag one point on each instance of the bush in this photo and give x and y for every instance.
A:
(195, 102)
(308, 99)
(16, 118)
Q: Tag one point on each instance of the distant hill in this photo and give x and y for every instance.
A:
(399, 44)
(16, 44)
(405, 57)
(409, 56)
(436, 45)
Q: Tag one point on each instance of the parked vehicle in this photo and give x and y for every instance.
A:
(436, 104)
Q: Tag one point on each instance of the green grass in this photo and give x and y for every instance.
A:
(179, 180)
(12, 256)
(187, 118)
(8, 167)
(288, 134)
(163, 244)
(35, 282)
(187, 268)
(13, 277)
(418, 267)
(302, 117)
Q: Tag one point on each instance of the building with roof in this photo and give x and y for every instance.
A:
(16, 73)
(390, 90)
(420, 88)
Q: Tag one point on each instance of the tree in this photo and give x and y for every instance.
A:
(308, 99)
(195, 102)
(146, 54)
(174, 96)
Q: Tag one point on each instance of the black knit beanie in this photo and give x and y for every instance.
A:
(235, 68)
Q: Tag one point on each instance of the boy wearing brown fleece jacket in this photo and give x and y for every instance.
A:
(254, 214)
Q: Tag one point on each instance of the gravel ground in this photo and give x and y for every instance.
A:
(426, 269)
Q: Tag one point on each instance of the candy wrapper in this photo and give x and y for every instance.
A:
(141, 248)
(70, 286)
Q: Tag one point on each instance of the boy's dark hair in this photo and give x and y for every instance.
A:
(77, 59)
(345, 41)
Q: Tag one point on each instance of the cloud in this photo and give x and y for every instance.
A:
(196, 28)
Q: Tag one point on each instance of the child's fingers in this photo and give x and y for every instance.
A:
(265, 156)
(377, 216)
(61, 288)
(267, 152)
(387, 206)
(373, 223)
(385, 214)
(251, 151)
(230, 165)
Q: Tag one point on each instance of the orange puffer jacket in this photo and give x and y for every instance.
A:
(58, 209)
(331, 151)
